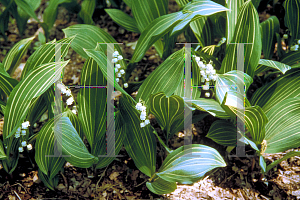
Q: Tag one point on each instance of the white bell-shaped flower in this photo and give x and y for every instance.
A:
(70, 101)
(21, 149)
(115, 54)
(29, 147)
(24, 144)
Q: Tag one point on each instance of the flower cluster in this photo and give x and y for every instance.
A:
(207, 72)
(22, 131)
(67, 91)
(24, 144)
(139, 106)
(118, 71)
(296, 46)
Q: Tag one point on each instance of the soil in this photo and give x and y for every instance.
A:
(240, 179)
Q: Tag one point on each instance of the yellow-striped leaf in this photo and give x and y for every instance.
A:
(37, 81)
(45, 54)
(247, 22)
(87, 37)
(165, 78)
(72, 145)
(155, 30)
(282, 131)
(187, 165)
(160, 186)
(75, 121)
(203, 30)
(123, 19)
(265, 65)
(234, 7)
(44, 151)
(92, 102)
(223, 132)
(291, 58)
(101, 146)
(50, 183)
(139, 142)
(15, 55)
(182, 3)
(7, 83)
(204, 7)
(2, 153)
(208, 105)
(101, 60)
(292, 18)
(168, 111)
(281, 88)
(230, 82)
(268, 29)
(255, 121)
(253, 117)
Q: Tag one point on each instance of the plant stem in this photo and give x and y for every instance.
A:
(162, 142)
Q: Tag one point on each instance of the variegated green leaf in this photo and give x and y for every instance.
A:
(248, 22)
(139, 142)
(91, 113)
(15, 55)
(75, 121)
(187, 165)
(203, 30)
(45, 54)
(182, 3)
(255, 121)
(253, 117)
(204, 7)
(101, 146)
(196, 79)
(2, 153)
(50, 183)
(44, 151)
(145, 11)
(87, 37)
(265, 65)
(123, 19)
(7, 83)
(101, 60)
(37, 81)
(291, 58)
(223, 132)
(208, 105)
(286, 156)
(230, 82)
(168, 111)
(160, 186)
(165, 78)
(155, 30)
(72, 145)
(87, 10)
(268, 29)
(27, 8)
(292, 18)
(234, 7)
(282, 131)
(281, 88)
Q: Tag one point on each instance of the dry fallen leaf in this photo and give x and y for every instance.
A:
(114, 175)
